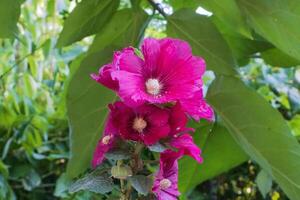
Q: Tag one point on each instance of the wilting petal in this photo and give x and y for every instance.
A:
(186, 146)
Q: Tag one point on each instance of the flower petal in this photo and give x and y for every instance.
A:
(150, 50)
(178, 120)
(131, 87)
(122, 117)
(154, 134)
(197, 108)
(186, 146)
(168, 170)
(107, 141)
(128, 61)
(104, 77)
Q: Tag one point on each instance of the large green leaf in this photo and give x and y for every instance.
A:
(9, 16)
(87, 100)
(204, 38)
(127, 26)
(220, 153)
(260, 130)
(88, 18)
(242, 47)
(278, 58)
(228, 13)
(178, 4)
(277, 21)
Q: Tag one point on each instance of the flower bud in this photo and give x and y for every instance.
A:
(121, 172)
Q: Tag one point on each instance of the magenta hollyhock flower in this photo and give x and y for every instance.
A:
(107, 141)
(104, 75)
(147, 123)
(165, 185)
(185, 146)
(168, 72)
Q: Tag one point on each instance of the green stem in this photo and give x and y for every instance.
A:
(158, 7)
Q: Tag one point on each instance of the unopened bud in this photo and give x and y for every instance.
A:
(121, 172)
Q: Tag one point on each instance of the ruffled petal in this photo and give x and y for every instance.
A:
(186, 146)
(150, 50)
(184, 79)
(197, 108)
(173, 53)
(131, 87)
(128, 61)
(104, 77)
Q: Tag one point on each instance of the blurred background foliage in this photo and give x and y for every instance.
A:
(34, 131)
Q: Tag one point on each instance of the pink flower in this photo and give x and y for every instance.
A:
(107, 141)
(168, 72)
(165, 185)
(104, 75)
(186, 146)
(145, 123)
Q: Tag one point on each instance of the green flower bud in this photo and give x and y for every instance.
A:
(121, 172)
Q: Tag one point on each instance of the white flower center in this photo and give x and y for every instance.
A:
(106, 139)
(165, 183)
(139, 124)
(153, 86)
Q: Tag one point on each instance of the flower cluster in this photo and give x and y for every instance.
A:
(158, 90)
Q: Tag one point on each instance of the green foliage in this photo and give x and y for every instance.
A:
(220, 153)
(97, 181)
(264, 182)
(228, 14)
(276, 57)
(88, 18)
(9, 16)
(276, 21)
(264, 140)
(142, 184)
(39, 83)
(199, 31)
